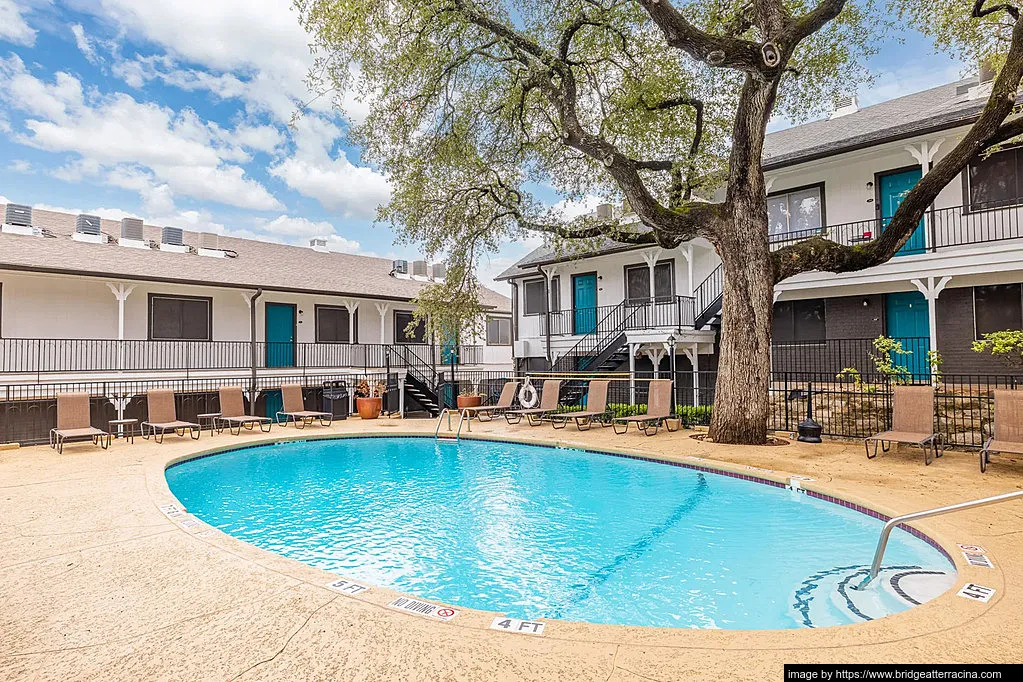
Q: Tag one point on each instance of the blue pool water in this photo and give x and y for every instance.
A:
(540, 532)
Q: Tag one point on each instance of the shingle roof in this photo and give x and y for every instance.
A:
(259, 264)
(946, 106)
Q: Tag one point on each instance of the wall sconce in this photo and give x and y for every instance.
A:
(866, 303)
(870, 189)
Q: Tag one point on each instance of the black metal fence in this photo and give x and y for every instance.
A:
(831, 356)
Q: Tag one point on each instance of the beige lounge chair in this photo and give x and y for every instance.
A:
(658, 411)
(294, 409)
(548, 404)
(232, 412)
(503, 404)
(163, 417)
(74, 422)
(912, 423)
(1008, 431)
(596, 409)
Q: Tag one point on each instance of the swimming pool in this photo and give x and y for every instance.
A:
(541, 533)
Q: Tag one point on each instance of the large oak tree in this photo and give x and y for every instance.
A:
(662, 103)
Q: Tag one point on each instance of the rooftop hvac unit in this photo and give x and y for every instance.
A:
(419, 268)
(18, 214)
(172, 236)
(209, 245)
(131, 228)
(439, 270)
(399, 267)
(18, 220)
(604, 211)
(318, 244)
(87, 229)
(87, 224)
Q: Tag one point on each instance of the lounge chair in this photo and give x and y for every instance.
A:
(658, 411)
(548, 404)
(232, 412)
(912, 423)
(503, 404)
(1008, 431)
(294, 409)
(163, 417)
(74, 422)
(596, 409)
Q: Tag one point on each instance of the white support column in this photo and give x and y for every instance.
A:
(248, 306)
(382, 309)
(687, 253)
(632, 374)
(931, 289)
(121, 292)
(656, 355)
(924, 155)
(651, 258)
(694, 359)
(353, 307)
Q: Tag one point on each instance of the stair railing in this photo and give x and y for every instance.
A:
(710, 290)
(609, 327)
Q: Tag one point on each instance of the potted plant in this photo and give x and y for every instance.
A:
(469, 397)
(368, 399)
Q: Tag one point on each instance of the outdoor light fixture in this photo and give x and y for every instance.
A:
(671, 351)
(866, 303)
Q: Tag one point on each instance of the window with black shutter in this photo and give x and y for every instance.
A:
(533, 295)
(498, 331)
(180, 318)
(402, 319)
(332, 325)
(998, 307)
(800, 321)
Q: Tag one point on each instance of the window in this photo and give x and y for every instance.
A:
(332, 325)
(402, 319)
(180, 318)
(498, 331)
(800, 321)
(533, 295)
(997, 307)
(996, 180)
(637, 282)
(798, 210)
(556, 293)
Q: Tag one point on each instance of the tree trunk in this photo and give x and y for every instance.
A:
(741, 401)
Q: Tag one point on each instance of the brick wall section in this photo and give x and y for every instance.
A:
(848, 318)
(955, 334)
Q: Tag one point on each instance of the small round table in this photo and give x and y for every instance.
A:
(129, 428)
(210, 418)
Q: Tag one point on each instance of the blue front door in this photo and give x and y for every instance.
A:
(893, 188)
(449, 352)
(280, 335)
(907, 321)
(584, 303)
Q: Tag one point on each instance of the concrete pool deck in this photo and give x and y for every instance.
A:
(96, 582)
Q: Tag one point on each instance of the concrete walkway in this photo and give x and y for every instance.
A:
(96, 582)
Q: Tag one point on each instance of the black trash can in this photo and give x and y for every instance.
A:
(335, 398)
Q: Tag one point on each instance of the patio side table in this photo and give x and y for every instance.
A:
(129, 428)
(210, 419)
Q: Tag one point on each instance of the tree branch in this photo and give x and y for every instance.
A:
(815, 19)
(980, 11)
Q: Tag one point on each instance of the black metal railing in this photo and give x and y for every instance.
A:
(831, 356)
(51, 356)
(940, 228)
(708, 295)
(662, 312)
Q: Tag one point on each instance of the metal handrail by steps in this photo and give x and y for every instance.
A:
(447, 412)
(882, 542)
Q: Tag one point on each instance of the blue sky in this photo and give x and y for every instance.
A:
(177, 111)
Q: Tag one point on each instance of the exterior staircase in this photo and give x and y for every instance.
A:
(421, 388)
(708, 299)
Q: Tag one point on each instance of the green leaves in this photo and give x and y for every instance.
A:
(1005, 345)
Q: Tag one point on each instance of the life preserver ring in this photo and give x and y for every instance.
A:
(527, 396)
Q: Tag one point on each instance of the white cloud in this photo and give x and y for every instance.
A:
(333, 180)
(910, 79)
(13, 27)
(569, 209)
(84, 44)
(301, 228)
(110, 132)
(108, 213)
(21, 166)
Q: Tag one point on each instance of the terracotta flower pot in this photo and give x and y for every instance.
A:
(469, 401)
(369, 408)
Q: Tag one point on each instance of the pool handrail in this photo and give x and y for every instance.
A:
(882, 541)
(447, 411)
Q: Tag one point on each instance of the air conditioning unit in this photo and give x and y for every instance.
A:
(209, 245)
(419, 269)
(133, 234)
(173, 239)
(438, 271)
(318, 244)
(18, 220)
(88, 229)
(605, 211)
(399, 267)
(845, 105)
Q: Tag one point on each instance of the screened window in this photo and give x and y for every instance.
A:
(499, 331)
(402, 319)
(532, 297)
(799, 211)
(996, 180)
(637, 282)
(997, 308)
(180, 318)
(800, 321)
(556, 292)
(332, 325)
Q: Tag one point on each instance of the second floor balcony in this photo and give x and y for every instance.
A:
(662, 312)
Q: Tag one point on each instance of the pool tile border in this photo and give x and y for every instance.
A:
(873, 513)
